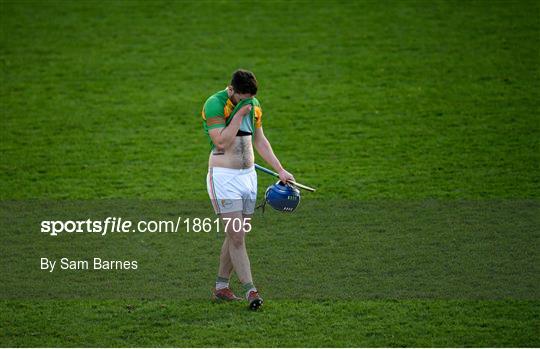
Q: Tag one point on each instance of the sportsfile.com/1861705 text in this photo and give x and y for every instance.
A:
(120, 225)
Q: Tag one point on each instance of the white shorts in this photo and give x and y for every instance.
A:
(232, 190)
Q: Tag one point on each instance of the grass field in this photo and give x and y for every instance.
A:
(418, 122)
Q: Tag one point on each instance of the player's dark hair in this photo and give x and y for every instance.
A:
(244, 81)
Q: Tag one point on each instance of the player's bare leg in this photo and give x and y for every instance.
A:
(252, 295)
(222, 290)
(237, 246)
(225, 263)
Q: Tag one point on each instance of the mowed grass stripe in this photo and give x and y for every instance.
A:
(282, 323)
(347, 250)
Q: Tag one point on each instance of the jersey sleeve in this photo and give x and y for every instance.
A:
(258, 115)
(212, 113)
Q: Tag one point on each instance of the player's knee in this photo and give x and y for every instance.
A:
(237, 238)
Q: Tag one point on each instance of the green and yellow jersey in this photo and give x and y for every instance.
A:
(218, 111)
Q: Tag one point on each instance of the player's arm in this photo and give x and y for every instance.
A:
(264, 148)
(223, 137)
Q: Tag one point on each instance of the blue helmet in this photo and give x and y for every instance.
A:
(282, 197)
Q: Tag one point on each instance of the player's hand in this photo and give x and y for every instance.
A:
(285, 176)
(245, 110)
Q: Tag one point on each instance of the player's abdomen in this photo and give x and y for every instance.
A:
(238, 155)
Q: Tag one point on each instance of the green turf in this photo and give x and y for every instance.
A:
(282, 323)
(433, 105)
(400, 100)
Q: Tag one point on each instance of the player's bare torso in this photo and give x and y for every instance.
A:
(238, 155)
